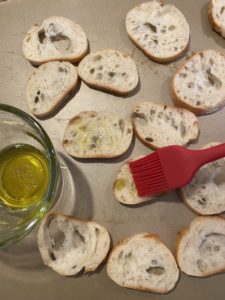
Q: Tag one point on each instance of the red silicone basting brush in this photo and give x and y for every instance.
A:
(170, 167)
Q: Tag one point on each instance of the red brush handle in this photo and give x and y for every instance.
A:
(210, 154)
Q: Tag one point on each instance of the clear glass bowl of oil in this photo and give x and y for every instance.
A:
(29, 174)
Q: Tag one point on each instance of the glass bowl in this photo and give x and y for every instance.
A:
(29, 174)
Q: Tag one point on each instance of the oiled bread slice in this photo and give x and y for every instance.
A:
(124, 187)
(68, 245)
(97, 135)
(205, 194)
(201, 247)
(199, 84)
(143, 262)
(57, 38)
(49, 85)
(158, 125)
(216, 14)
(160, 31)
(109, 70)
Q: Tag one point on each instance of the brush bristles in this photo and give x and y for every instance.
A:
(148, 175)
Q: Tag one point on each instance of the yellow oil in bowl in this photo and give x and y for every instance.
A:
(24, 176)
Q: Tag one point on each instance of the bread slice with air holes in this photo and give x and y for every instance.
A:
(109, 70)
(49, 85)
(160, 31)
(199, 84)
(68, 245)
(158, 125)
(124, 188)
(201, 247)
(205, 194)
(57, 38)
(143, 262)
(97, 135)
(216, 13)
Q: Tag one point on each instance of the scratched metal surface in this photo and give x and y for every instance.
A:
(22, 273)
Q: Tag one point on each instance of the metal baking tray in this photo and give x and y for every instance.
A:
(89, 186)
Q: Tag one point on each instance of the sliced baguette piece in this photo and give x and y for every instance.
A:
(216, 14)
(49, 85)
(143, 262)
(109, 70)
(57, 38)
(205, 194)
(68, 245)
(199, 84)
(160, 31)
(124, 188)
(201, 247)
(97, 135)
(158, 125)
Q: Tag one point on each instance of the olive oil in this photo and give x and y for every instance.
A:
(24, 176)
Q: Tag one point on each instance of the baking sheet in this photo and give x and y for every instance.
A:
(89, 186)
